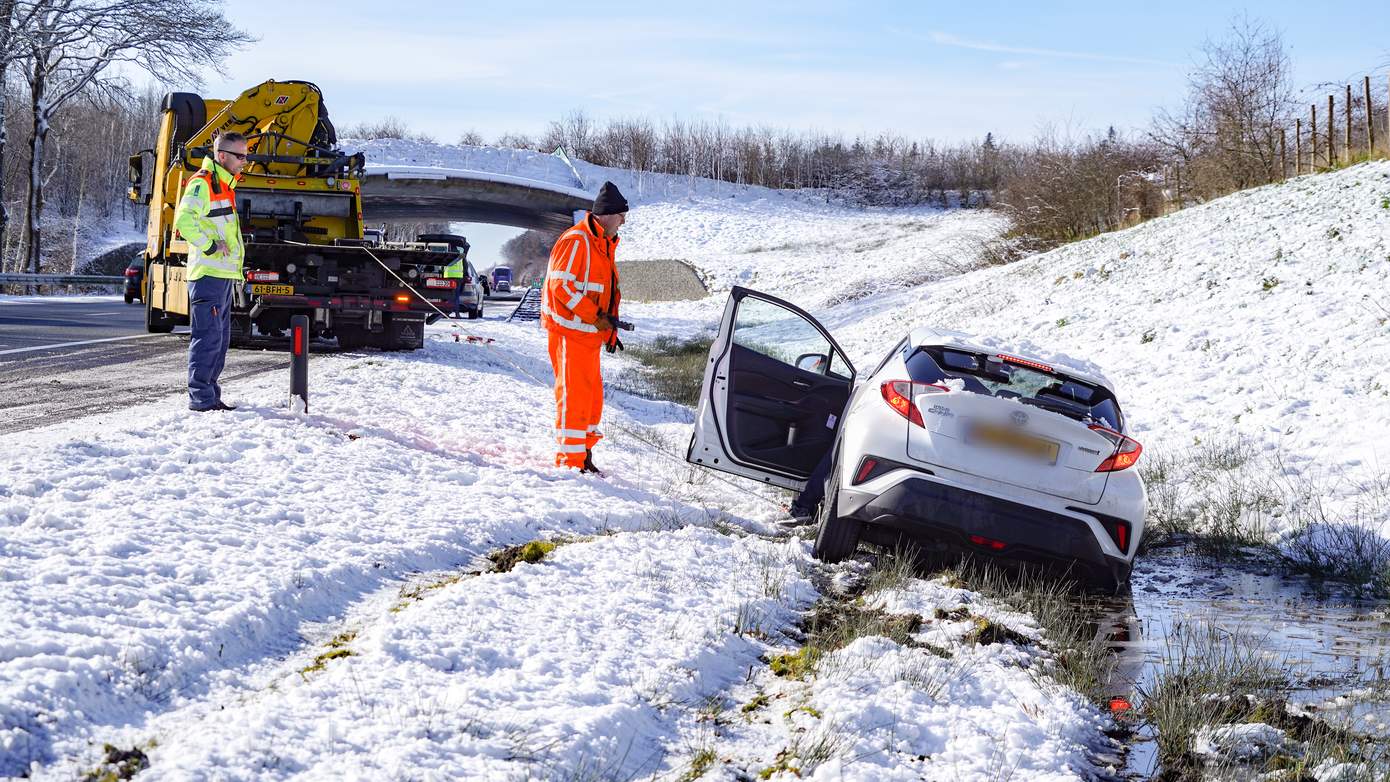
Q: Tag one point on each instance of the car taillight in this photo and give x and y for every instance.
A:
(263, 276)
(132, 272)
(898, 395)
(1126, 453)
(866, 467)
(1119, 532)
(989, 543)
(438, 282)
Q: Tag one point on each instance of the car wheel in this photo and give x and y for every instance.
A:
(837, 537)
(129, 299)
(475, 313)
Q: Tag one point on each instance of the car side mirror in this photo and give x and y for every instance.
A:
(813, 362)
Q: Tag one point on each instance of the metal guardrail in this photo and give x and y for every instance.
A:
(60, 279)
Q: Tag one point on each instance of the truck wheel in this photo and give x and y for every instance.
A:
(837, 537)
(350, 337)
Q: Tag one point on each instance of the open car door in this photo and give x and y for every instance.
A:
(775, 387)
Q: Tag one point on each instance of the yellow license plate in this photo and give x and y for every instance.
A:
(1012, 440)
(279, 290)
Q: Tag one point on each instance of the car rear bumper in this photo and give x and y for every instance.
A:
(945, 517)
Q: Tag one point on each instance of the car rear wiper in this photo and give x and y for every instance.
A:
(1056, 407)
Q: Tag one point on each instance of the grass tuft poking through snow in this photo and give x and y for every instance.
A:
(1079, 658)
(530, 552)
(671, 369)
(118, 764)
(1228, 499)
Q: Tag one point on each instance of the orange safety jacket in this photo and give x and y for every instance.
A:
(580, 282)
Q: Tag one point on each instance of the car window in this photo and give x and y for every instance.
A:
(983, 374)
(779, 333)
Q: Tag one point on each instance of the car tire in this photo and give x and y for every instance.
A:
(837, 537)
(129, 299)
(475, 313)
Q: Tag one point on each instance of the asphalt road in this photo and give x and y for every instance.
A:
(66, 358)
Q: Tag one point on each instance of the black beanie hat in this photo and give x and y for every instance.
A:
(609, 201)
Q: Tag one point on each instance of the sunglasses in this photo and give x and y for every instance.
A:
(238, 155)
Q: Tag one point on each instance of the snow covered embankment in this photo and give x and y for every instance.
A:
(260, 595)
(1250, 329)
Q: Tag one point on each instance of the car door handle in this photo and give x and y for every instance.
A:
(801, 383)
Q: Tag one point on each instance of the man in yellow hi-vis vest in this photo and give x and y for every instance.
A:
(207, 220)
(456, 271)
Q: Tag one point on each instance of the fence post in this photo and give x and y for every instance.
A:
(1347, 149)
(1298, 147)
(1283, 155)
(299, 364)
(1331, 133)
(1370, 121)
(1313, 137)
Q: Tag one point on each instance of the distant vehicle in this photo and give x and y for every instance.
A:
(135, 280)
(502, 279)
(472, 295)
(473, 291)
(374, 237)
(958, 447)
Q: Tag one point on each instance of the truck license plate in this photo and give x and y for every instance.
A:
(281, 290)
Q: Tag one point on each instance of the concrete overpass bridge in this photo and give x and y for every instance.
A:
(391, 193)
(421, 182)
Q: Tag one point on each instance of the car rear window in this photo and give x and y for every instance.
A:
(984, 374)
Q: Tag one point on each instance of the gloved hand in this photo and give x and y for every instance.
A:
(603, 323)
(615, 344)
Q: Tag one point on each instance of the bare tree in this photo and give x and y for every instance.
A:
(1239, 99)
(516, 141)
(74, 43)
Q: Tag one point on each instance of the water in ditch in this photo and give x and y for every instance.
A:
(1333, 643)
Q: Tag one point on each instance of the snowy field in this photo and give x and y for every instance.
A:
(257, 595)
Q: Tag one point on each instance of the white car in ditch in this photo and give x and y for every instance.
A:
(948, 443)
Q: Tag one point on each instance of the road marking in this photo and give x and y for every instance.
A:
(83, 342)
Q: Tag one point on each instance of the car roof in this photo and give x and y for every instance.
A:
(1081, 369)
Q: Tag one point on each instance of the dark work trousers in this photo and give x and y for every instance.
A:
(814, 492)
(210, 314)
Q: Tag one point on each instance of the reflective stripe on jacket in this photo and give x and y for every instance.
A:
(581, 280)
(206, 215)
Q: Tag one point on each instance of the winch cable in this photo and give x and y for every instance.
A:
(389, 271)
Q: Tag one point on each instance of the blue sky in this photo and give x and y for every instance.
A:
(924, 70)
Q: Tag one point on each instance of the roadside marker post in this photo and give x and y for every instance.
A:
(299, 364)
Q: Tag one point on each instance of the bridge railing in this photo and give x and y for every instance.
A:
(60, 279)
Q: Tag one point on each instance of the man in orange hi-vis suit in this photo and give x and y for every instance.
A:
(579, 307)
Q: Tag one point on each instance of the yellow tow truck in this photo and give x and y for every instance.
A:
(299, 203)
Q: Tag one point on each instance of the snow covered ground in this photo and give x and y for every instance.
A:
(1262, 317)
(263, 595)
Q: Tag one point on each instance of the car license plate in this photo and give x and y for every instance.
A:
(279, 290)
(1012, 440)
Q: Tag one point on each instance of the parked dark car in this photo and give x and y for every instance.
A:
(502, 279)
(135, 280)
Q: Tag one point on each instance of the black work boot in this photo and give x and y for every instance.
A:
(589, 465)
